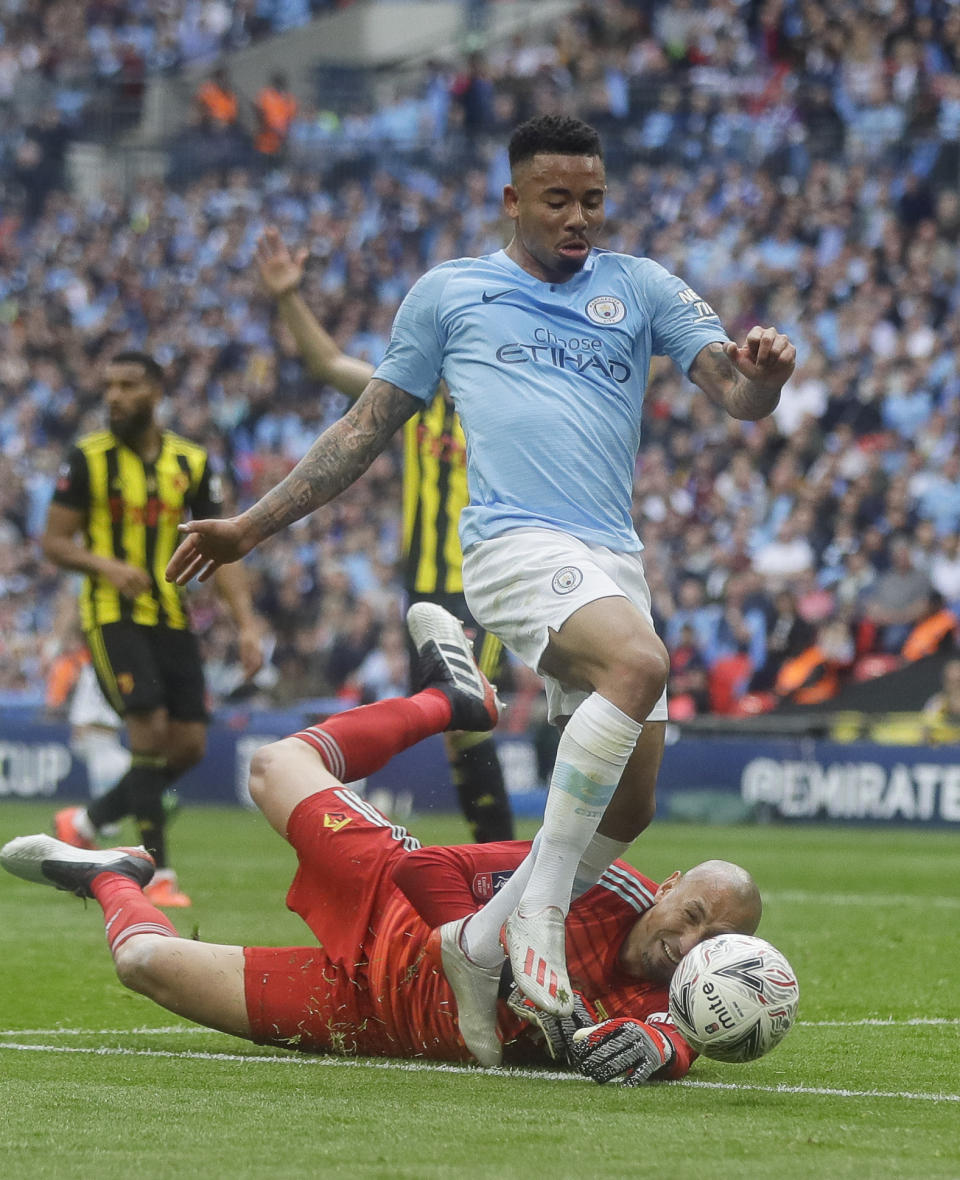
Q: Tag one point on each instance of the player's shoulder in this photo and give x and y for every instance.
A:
(184, 446)
(629, 885)
(635, 267)
(96, 442)
(452, 264)
(463, 269)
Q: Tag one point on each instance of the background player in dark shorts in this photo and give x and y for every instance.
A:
(152, 668)
(125, 489)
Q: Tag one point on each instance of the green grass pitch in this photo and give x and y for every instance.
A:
(96, 1082)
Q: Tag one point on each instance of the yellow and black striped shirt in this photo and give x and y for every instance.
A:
(434, 494)
(131, 511)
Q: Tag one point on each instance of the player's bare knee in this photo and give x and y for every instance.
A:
(188, 752)
(141, 963)
(268, 768)
(641, 673)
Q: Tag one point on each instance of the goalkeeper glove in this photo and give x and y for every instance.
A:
(623, 1049)
(556, 1031)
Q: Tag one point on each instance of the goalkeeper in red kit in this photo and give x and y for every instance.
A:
(377, 902)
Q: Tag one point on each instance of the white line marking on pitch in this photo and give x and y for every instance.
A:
(881, 1022)
(446, 1067)
(878, 900)
(822, 1090)
(105, 1032)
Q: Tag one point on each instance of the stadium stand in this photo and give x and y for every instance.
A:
(796, 163)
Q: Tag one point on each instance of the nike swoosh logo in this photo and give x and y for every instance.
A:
(496, 295)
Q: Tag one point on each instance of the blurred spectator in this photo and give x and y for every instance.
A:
(352, 645)
(384, 671)
(276, 109)
(217, 102)
(944, 569)
(37, 167)
(940, 499)
(688, 689)
(728, 680)
(935, 631)
(789, 554)
(787, 635)
(941, 714)
(473, 92)
(695, 612)
(898, 599)
(814, 676)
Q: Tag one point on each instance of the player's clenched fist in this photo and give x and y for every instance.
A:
(766, 356)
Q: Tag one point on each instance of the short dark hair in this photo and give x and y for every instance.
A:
(561, 135)
(132, 356)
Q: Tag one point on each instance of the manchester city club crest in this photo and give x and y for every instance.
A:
(606, 309)
(567, 579)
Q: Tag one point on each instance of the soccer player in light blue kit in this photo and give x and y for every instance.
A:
(545, 347)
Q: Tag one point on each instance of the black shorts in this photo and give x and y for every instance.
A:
(145, 668)
(487, 648)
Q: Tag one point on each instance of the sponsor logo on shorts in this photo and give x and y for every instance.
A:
(335, 820)
(606, 309)
(566, 579)
(125, 683)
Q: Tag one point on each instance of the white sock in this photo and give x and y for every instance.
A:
(107, 761)
(84, 825)
(594, 749)
(481, 935)
(600, 854)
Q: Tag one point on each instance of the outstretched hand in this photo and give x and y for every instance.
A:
(207, 544)
(280, 270)
(766, 357)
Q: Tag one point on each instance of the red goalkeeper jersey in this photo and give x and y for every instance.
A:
(444, 883)
(371, 896)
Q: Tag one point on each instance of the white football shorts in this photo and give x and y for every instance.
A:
(527, 582)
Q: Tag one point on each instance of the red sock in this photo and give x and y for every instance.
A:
(126, 911)
(355, 744)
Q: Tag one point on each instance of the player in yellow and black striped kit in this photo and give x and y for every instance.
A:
(125, 490)
(434, 492)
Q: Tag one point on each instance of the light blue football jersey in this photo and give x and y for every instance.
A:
(548, 379)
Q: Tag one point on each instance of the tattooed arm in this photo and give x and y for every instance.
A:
(338, 457)
(746, 380)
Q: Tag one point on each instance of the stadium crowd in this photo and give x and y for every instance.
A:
(796, 163)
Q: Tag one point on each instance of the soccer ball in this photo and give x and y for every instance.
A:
(734, 997)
